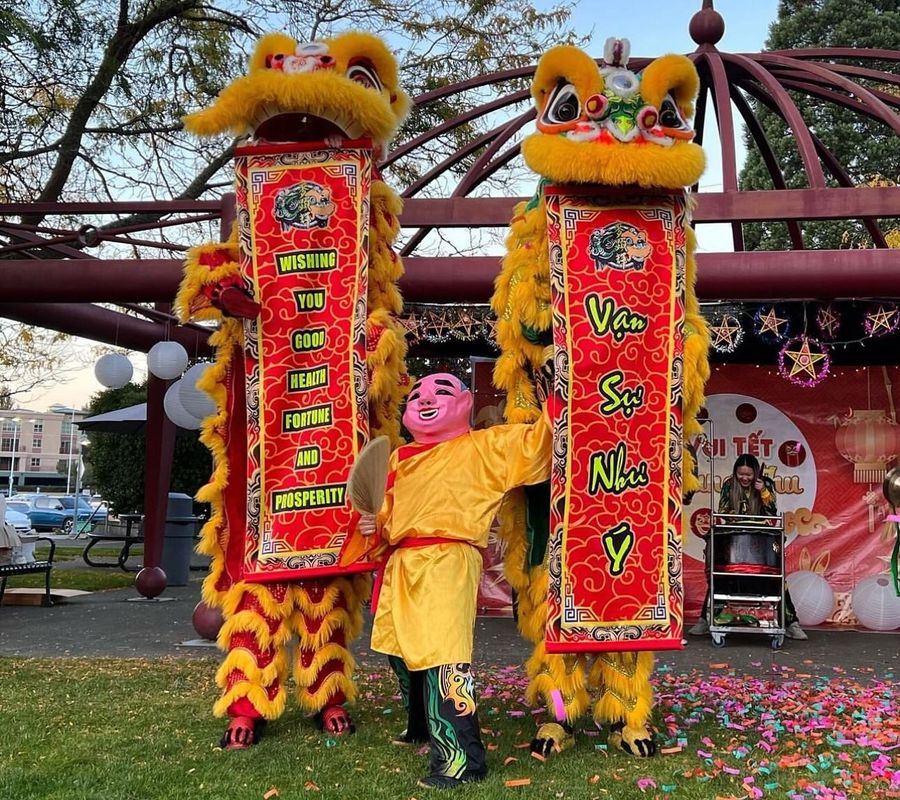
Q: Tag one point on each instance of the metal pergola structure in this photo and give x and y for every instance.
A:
(50, 278)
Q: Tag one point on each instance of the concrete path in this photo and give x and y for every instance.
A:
(116, 624)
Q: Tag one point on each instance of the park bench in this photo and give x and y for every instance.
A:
(29, 568)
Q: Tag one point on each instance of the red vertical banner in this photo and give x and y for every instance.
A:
(617, 284)
(303, 219)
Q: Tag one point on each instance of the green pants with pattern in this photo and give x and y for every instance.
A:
(443, 698)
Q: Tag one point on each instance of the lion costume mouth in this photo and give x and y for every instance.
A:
(300, 127)
(338, 89)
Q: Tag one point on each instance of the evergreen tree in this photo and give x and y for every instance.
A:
(868, 150)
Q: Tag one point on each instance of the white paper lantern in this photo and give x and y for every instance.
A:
(167, 360)
(176, 412)
(813, 597)
(875, 603)
(195, 401)
(113, 370)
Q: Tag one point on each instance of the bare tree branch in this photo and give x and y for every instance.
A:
(126, 37)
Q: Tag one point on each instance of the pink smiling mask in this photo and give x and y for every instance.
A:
(438, 409)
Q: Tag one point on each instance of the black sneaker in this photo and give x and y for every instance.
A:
(446, 782)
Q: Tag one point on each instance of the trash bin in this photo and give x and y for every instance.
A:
(178, 540)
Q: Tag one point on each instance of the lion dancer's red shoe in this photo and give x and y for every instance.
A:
(329, 615)
(244, 729)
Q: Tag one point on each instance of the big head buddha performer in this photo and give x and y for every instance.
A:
(600, 262)
(309, 363)
(444, 490)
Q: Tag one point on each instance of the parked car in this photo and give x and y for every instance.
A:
(18, 520)
(24, 551)
(85, 511)
(46, 513)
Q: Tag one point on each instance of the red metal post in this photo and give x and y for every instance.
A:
(160, 450)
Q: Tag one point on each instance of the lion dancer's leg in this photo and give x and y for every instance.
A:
(327, 620)
(255, 630)
(560, 684)
(457, 752)
(553, 679)
(412, 690)
(626, 700)
(252, 675)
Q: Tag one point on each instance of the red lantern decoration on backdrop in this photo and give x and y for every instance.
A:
(870, 441)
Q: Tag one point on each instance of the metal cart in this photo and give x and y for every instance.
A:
(746, 572)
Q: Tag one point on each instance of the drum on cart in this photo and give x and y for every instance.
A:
(746, 577)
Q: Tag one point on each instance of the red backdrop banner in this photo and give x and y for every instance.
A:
(617, 283)
(825, 449)
(303, 225)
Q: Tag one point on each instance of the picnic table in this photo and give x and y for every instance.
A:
(128, 538)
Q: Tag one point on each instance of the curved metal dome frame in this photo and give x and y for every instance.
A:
(726, 80)
(69, 274)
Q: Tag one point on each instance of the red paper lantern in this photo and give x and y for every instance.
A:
(870, 441)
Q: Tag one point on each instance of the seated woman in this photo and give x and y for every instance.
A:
(746, 491)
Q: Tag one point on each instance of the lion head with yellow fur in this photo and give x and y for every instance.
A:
(609, 125)
(341, 88)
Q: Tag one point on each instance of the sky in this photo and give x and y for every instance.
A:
(654, 27)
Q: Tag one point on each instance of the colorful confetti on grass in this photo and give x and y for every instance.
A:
(788, 734)
(819, 732)
(836, 736)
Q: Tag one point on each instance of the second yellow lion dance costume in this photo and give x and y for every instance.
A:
(603, 127)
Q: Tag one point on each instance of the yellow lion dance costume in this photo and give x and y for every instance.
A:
(607, 127)
(335, 90)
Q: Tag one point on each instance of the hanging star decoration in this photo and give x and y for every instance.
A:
(467, 327)
(726, 334)
(828, 321)
(410, 323)
(771, 324)
(437, 326)
(881, 319)
(804, 361)
(489, 329)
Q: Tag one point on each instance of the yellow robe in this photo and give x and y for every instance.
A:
(426, 610)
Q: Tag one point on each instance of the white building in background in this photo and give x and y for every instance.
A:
(32, 445)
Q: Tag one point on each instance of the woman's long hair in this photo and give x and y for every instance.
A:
(754, 501)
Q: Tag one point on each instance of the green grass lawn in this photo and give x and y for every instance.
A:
(104, 729)
(69, 553)
(87, 579)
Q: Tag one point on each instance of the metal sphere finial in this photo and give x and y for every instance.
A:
(707, 25)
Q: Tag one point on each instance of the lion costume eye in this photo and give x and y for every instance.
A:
(364, 73)
(563, 106)
(669, 116)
